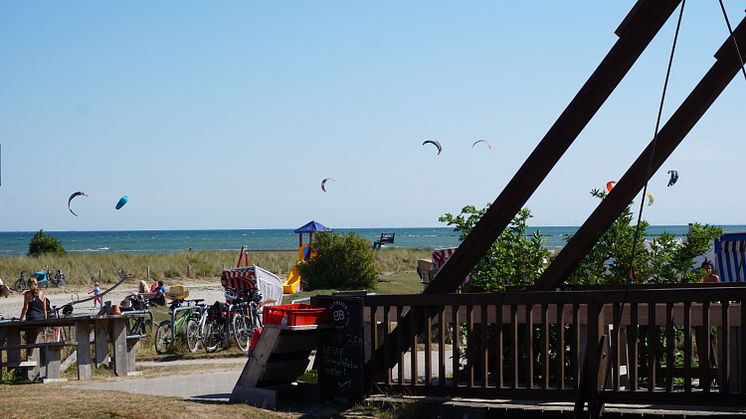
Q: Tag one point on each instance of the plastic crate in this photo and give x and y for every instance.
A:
(295, 315)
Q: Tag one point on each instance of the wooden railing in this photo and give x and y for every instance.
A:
(669, 344)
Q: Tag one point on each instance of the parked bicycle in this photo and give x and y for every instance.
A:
(185, 316)
(137, 326)
(237, 318)
(43, 278)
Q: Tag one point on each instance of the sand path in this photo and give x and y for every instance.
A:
(11, 307)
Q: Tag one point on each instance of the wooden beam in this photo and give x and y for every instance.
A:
(713, 83)
(637, 30)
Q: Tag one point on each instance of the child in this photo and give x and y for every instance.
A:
(96, 295)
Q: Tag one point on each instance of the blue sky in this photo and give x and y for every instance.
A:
(229, 114)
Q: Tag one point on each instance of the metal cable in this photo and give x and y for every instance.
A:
(735, 43)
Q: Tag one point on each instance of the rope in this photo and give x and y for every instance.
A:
(735, 43)
(631, 272)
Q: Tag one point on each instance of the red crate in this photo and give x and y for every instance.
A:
(295, 315)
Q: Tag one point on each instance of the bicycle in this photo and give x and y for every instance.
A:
(137, 326)
(21, 283)
(167, 330)
(238, 318)
(42, 278)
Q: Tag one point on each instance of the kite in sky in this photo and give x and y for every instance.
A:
(435, 143)
(122, 201)
(323, 183)
(489, 146)
(674, 177)
(69, 200)
(610, 185)
(651, 198)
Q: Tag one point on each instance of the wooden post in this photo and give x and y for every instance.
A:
(147, 273)
(189, 271)
(101, 343)
(119, 345)
(83, 332)
(100, 274)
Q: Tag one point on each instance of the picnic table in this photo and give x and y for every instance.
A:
(27, 346)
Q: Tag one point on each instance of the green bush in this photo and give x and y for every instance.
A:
(514, 259)
(342, 262)
(43, 243)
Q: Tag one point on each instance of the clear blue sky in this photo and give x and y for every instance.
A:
(229, 114)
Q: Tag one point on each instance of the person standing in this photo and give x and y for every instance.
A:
(96, 294)
(34, 303)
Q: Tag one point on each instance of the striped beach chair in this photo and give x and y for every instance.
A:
(439, 258)
(730, 257)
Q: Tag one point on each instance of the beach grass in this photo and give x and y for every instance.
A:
(85, 268)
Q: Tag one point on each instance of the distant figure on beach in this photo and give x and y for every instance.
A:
(160, 294)
(34, 303)
(710, 276)
(96, 291)
(143, 287)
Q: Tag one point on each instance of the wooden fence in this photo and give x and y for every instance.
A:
(669, 344)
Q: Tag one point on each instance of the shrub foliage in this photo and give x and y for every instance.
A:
(43, 243)
(341, 262)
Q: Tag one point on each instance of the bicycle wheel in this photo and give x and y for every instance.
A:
(61, 283)
(192, 335)
(241, 332)
(163, 341)
(20, 285)
(212, 337)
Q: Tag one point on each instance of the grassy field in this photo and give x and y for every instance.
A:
(84, 268)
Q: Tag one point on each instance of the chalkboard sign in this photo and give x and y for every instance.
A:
(341, 352)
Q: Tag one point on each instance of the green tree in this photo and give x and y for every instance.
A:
(43, 243)
(514, 259)
(340, 262)
(663, 260)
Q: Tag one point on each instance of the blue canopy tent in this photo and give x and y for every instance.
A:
(310, 228)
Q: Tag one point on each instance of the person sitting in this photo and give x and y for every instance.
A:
(160, 294)
(142, 288)
(710, 277)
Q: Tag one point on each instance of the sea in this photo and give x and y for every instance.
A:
(15, 243)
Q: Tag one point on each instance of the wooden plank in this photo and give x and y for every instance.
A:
(53, 362)
(670, 344)
(372, 365)
(101, 333)
(119, 345)
(545, 343)
(561, 346)
(723, 367)
(484, 346)
(652, 347)
(413, 367)
(633, 330)
(257, 363)
(529, 347)
(14, 340)
(704, 353)
(742, 352)
(577, 365)
(687, 347)
(82, 332)
(386, 343)
(617, 347)
(455, 345)
(499, 370)
(514, 354)
(470, 345)
(400, 348)
(442, 326)
(428, 346)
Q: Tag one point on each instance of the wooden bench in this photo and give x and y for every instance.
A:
(50, 352)
(386, 238)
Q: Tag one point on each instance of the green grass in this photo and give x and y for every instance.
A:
(85, 268)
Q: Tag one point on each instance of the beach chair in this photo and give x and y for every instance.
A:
(730, 257)
(439, 258)
(386, 238)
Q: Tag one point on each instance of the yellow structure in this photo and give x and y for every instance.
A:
(305, 252)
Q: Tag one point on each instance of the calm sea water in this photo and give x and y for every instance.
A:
(169, 241)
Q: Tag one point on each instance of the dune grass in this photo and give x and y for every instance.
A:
(84, 268)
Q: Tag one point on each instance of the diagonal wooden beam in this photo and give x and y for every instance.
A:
(639, 27)
(726, 67)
